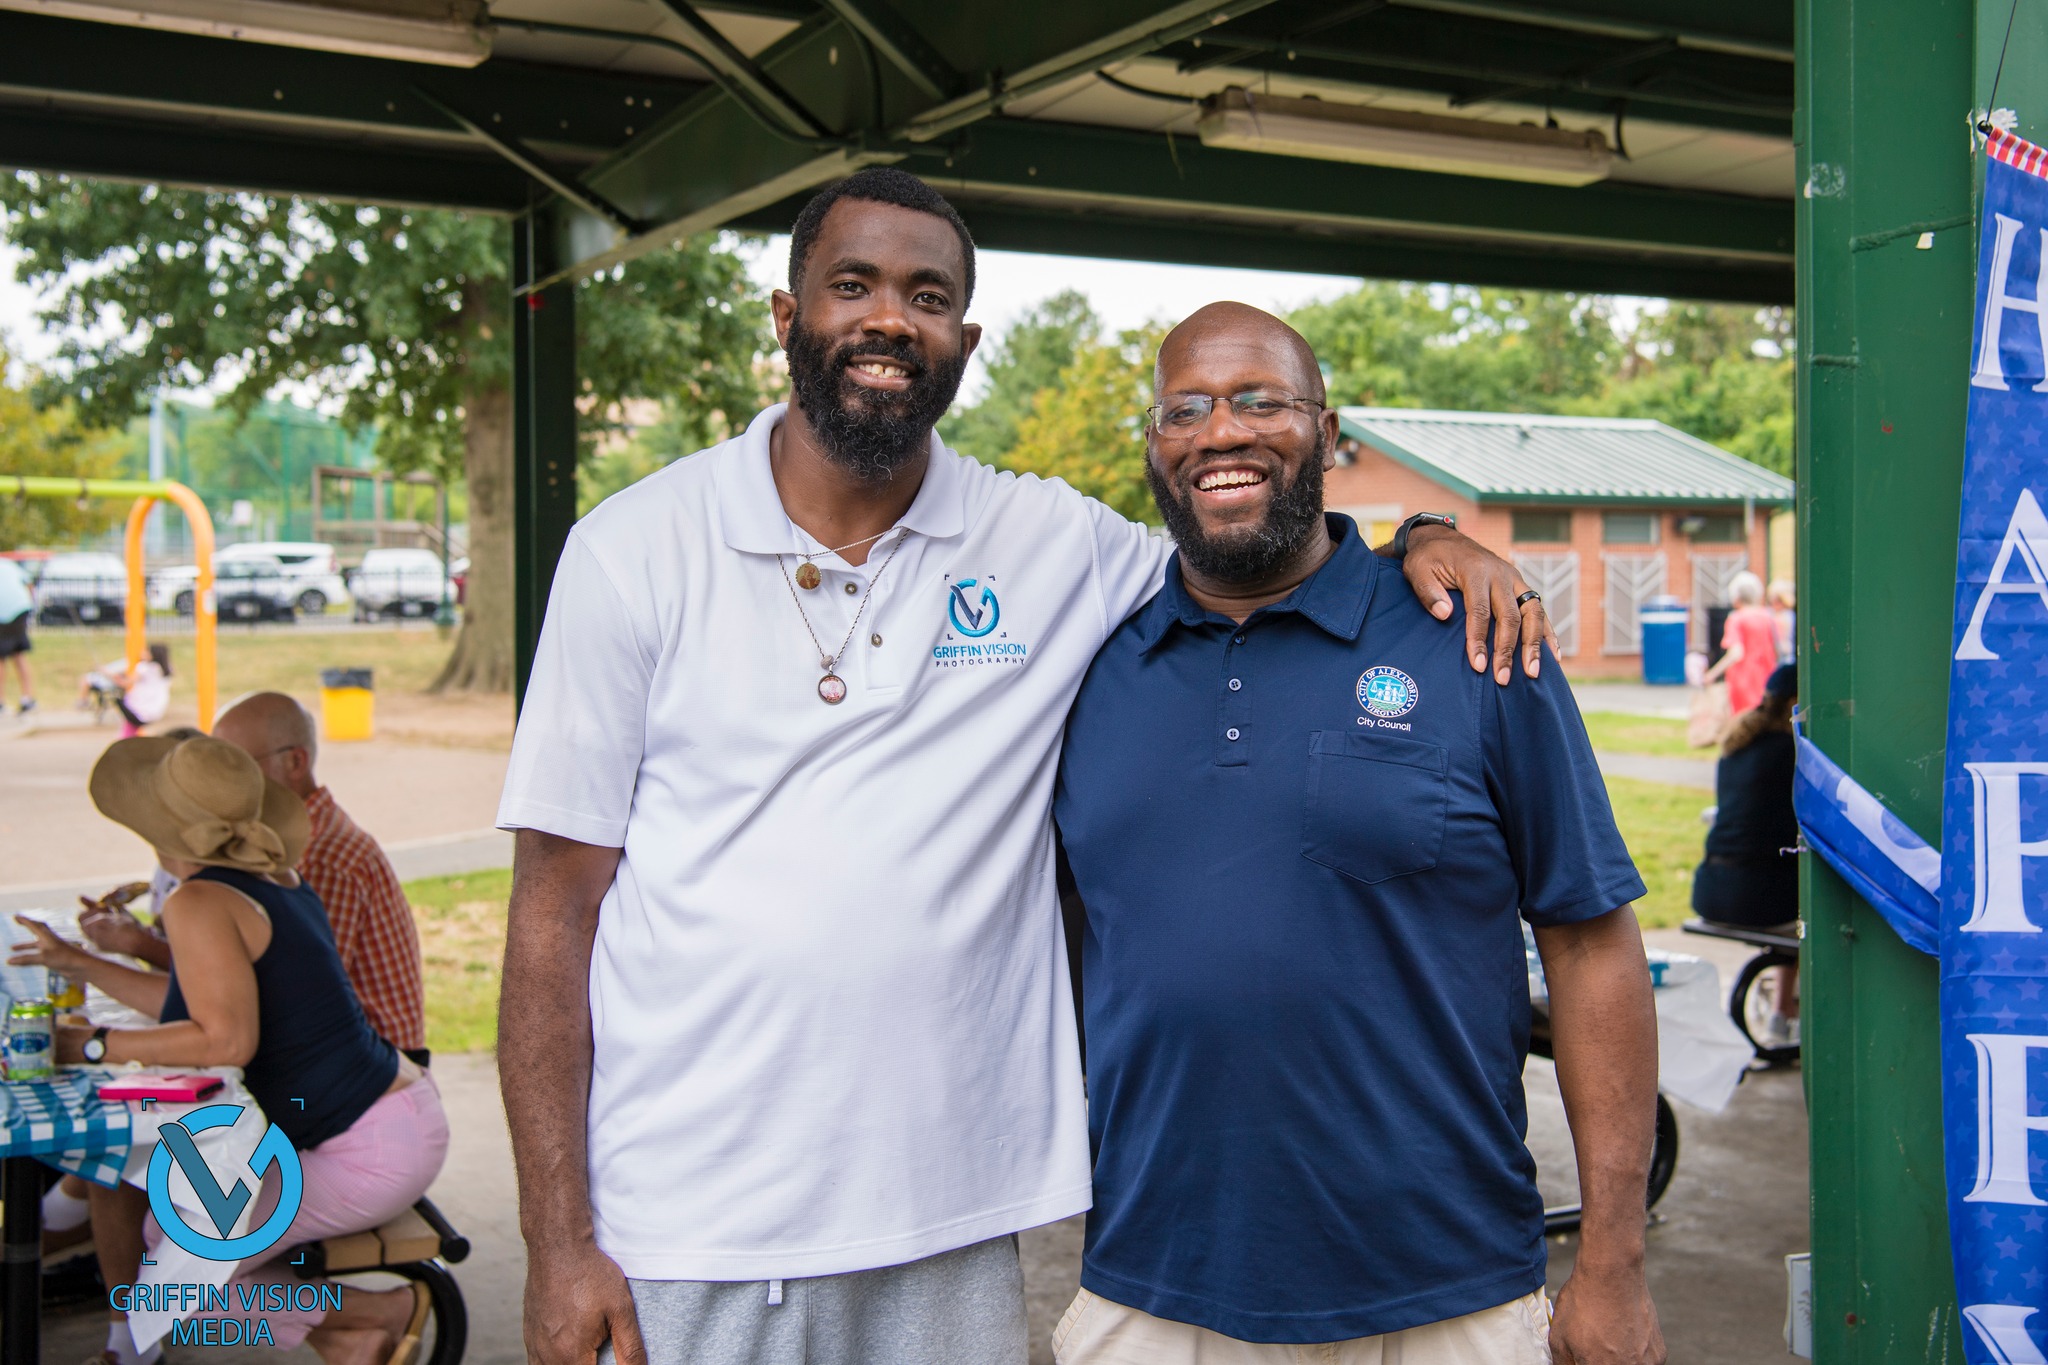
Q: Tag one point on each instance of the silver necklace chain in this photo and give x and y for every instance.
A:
(807, 557)
(828, 663)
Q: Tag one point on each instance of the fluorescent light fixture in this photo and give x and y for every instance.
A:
(1239, 119)
(444, 32)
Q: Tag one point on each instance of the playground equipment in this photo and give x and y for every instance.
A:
(147, 493)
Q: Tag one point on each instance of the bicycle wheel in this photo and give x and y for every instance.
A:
(1749, 1007)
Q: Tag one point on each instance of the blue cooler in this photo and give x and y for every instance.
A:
(1663, 621)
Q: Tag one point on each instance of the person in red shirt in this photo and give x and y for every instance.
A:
(1751, 641)
(373, 924)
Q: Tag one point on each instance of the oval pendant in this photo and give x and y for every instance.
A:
(832, 689)
(807, 575)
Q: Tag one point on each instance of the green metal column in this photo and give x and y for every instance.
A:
(1884, 332)
(543, 428)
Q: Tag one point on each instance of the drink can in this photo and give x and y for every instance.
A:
(66, 992)
(31, 1041)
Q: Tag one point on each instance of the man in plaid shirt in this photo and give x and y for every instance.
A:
(373, 927)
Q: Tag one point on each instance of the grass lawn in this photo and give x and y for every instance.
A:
(462, 918)
(1624, 734)
(462, 936)
(250, 659)
(1665, 836)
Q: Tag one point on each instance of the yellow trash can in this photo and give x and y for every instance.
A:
(348, 706)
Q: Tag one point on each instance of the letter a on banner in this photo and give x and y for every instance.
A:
(1994, 875)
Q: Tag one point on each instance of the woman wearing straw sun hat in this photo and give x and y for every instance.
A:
(255, 982)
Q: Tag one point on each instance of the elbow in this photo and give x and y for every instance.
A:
(233, 1047)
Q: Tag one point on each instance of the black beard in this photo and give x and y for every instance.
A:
(1246, 554)
(869, 434)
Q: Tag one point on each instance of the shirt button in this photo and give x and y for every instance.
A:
(1231, 733)
(1236, 683)
(875, 640)
(1238, 641)
(852, 588)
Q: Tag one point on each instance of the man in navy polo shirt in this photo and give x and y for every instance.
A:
(1305, 833)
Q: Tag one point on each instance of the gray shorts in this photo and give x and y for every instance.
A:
(962, 1307)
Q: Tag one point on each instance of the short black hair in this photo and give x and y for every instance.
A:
(876, 185)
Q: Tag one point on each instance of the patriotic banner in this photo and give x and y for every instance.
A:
(1870, 848)
(1994, 880)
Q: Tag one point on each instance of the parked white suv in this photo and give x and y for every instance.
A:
(398, 582)
(309, 567)
(87, 588)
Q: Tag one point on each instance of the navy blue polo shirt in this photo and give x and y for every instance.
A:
(1304, 843)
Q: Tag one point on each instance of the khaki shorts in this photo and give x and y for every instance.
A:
(1096, 1331)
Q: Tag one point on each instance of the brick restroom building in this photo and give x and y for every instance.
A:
(1599, 513)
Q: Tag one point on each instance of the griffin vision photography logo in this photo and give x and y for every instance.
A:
(973, 616)
(222, 1204)
(976, 617)
(1387, 692)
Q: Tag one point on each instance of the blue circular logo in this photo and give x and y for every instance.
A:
(223, 1206)
(973, 615)
(1387, 692)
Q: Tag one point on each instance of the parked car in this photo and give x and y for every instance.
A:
(249, 588)
(397, 582)
(310, 566)
(82, 588)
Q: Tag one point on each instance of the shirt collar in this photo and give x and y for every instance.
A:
(750, 509)
(1334, 597)
(319, 806)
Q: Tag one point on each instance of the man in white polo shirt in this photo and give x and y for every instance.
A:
(787, 1043)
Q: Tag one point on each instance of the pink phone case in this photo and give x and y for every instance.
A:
(179, 1089)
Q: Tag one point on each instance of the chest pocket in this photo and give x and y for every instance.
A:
(1375, 804)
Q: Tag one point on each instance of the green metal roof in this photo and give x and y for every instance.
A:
(1501, 457)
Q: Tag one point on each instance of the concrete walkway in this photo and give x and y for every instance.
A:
(1678, 772)
(1634, 699)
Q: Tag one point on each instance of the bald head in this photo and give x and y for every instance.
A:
(1237, 335)
(278, 733)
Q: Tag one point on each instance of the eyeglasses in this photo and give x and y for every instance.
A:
(1184, 413)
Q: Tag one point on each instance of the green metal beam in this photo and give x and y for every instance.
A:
(1714, 25)
(901, 44)
(203, 158)
(1050, 166)
(543, 491)
(110, 70)
(1884, 337)
(708, 164)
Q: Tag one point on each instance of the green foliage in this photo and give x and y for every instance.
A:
(52, 441)
(402, 316)
(1087, 426)
(1024, 362)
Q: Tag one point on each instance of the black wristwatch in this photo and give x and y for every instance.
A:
(1420, 519)
(95, 1049)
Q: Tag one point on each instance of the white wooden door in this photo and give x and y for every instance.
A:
(1556, 576)
(1712, 572)
(1631, 581)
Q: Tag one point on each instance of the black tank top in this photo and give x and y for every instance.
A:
(315, 1043)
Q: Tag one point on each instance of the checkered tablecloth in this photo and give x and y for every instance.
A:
(62, 1122)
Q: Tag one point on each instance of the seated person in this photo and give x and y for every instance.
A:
(1750, 878)
(141, 694)
(255, 982)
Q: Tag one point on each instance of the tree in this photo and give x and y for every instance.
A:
(51, 441)
(1026, 361)
(401, 315)
(1088, 425)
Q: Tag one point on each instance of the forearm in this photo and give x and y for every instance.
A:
(184, 1043)
(138, 990)
(544, 1038)
(1603, 1025)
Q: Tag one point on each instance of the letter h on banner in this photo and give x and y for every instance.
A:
(1990, 372)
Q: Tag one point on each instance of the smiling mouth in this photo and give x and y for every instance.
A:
(1223, 480)
(880, 369)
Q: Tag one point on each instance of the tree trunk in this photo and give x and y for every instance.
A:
(482, 661)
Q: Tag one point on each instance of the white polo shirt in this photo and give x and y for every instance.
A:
(829, 991)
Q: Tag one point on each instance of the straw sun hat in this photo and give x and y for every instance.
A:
(201, 800)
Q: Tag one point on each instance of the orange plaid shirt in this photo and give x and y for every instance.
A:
(373, 927)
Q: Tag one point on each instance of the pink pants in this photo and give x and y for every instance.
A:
(355, 1181)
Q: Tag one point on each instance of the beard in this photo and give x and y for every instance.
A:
(1245, 554)
(870, 434)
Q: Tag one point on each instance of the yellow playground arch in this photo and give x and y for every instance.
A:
(147, 493)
